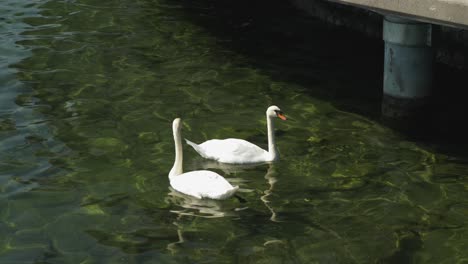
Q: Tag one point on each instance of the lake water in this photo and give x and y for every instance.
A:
(88, 92)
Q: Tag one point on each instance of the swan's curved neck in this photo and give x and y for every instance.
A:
(271, 138)
(177, 168)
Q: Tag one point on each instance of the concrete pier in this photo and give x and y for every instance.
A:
(407, 85)
(416, 34)
(441, 12)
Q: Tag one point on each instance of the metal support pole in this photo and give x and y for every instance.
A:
(407, 69)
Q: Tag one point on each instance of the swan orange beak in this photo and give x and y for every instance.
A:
(281, 115)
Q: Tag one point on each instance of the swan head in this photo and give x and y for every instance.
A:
(274, 111)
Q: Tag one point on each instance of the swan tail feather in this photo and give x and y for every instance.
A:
(230, 192)
(195, 147)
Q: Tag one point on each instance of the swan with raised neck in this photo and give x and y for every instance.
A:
(239, 151)
(201, 183)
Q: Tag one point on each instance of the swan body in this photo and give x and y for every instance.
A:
(239, 151)
(203, 184)
(200, 184)
(231, 150)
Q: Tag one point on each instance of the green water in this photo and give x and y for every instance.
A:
(88, 92)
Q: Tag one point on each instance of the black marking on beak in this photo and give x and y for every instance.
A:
(280, 114)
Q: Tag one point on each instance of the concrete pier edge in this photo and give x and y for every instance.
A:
(450, 44)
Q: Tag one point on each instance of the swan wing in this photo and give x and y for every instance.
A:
(203, 184)
(232, 150)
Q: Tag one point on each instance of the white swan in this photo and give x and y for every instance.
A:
(199, 184)
(239, 151)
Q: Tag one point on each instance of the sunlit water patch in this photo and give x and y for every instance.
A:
(106, 79)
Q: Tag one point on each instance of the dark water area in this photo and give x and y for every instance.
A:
(88, 92)
(278, 40)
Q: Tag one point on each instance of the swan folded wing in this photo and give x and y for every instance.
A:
(232, 150)
(203, 184)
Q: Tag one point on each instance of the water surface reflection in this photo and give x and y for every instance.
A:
(87, 145)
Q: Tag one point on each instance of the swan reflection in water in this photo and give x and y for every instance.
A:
(271, 179)
(207, 208)
(229, 169)
(194, 207)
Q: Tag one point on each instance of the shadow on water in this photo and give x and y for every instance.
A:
(290, 46)
(332, 63)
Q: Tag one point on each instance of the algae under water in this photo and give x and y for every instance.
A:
(88, 92)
